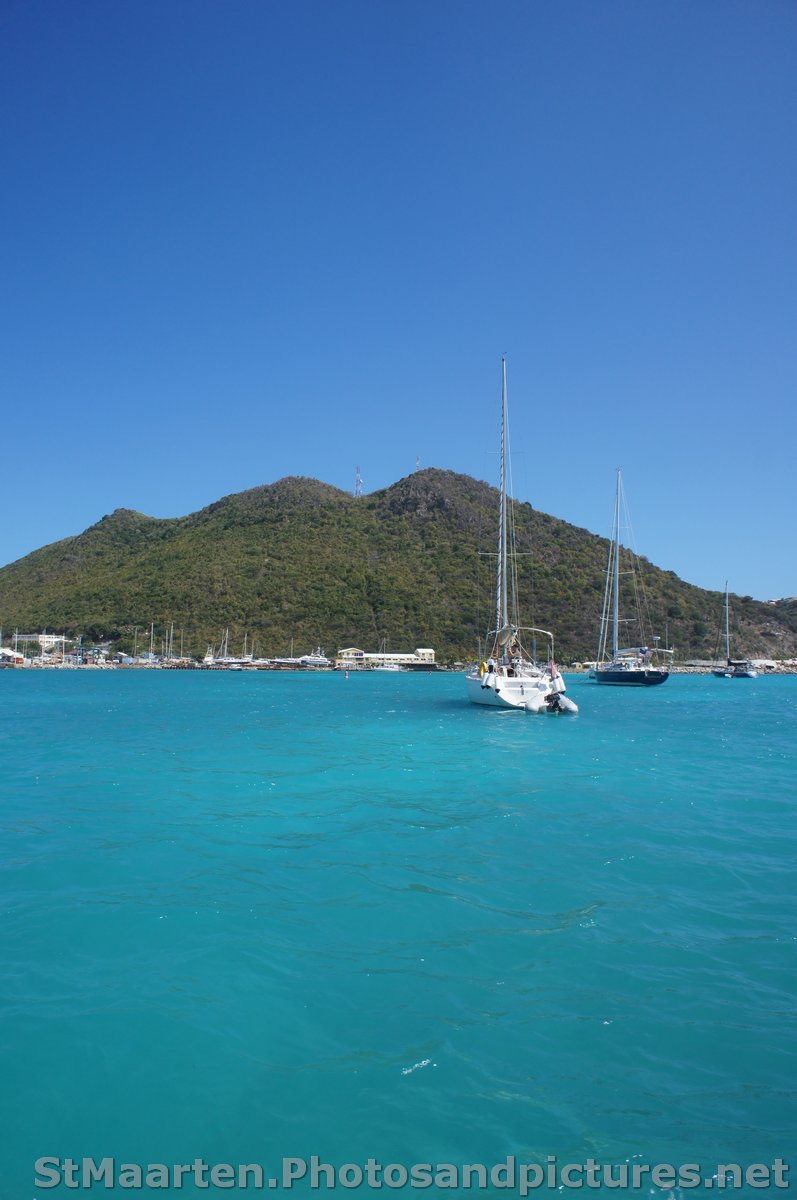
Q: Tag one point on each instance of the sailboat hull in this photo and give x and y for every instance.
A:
(529, 693)
(630, 678)
(504, 693)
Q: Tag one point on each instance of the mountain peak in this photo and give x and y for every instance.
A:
(301, 559)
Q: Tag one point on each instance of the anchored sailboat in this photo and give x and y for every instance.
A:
(636, 665)
(737, 668)
(510, 677)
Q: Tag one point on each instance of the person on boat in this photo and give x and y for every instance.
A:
(486, 671)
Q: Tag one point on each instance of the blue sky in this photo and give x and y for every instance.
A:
(252, 239)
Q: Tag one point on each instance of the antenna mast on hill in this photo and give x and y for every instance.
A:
(417, 462)
(358, 483)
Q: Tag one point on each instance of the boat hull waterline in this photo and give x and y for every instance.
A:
(630, 678)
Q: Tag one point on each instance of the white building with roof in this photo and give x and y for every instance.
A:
(353, 659)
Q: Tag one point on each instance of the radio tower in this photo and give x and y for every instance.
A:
(358, 483)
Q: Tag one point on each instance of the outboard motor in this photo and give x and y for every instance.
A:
(557, 702)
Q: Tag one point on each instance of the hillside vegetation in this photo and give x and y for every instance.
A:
(300, 560)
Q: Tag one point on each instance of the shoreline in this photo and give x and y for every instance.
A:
(439, 669)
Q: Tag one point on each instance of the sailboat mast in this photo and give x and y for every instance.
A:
(616, 587)
(501, 610)
(727, 633)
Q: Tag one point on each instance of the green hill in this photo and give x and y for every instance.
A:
(300, 560)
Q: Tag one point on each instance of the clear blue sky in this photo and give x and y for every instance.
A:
(243, 240)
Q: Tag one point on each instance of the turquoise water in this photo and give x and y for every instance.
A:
(248, 916)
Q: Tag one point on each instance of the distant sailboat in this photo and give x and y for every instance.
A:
(384, 663)
(738, 668)
(637, 665)
(511, 678)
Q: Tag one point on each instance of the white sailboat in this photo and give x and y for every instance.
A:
(635, 665)
(511, 678)
(736, 668)
(384, 663)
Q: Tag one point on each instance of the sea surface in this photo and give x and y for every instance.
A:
(253, 916)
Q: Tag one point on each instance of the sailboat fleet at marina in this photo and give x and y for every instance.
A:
(316, 661)
(58, 651)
